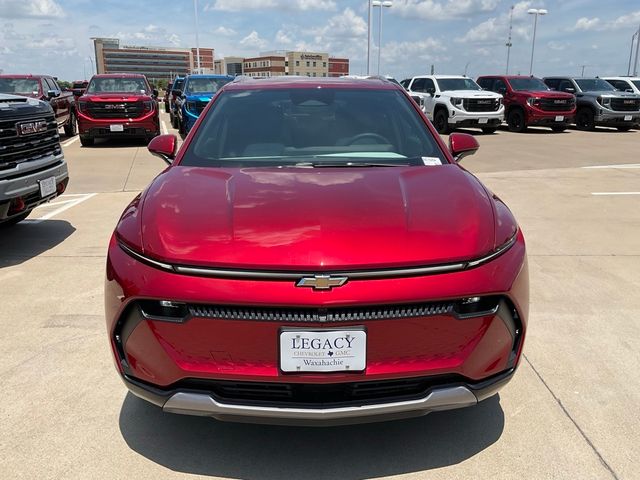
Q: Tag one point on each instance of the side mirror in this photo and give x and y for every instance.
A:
(461, 145)
(177, 92)
(501, 91)
(52, 93)
(164, 146)
(570, 90)
(155, 92)
(431, 92)
(630, 90)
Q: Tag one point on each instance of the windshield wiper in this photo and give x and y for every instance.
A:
(350, 164)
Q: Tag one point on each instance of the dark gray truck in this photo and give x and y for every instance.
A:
(32, 167)
(599, 103)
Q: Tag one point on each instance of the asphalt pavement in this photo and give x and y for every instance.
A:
(571, 411)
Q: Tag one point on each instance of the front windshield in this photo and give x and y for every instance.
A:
(117, 84)
(447, 84)
(206, 85)
(636, 83)
(528, 84)
(177, 85)
(594, 85)
(19, 86)
(79, 84)
(313, 127)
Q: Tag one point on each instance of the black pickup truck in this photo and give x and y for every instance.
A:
(45, 88)
(32, 166)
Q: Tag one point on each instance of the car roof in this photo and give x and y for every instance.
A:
(206, 75)
(508, 77)
(119, 75)
(621, 78)
(290, 81)
(23, 75)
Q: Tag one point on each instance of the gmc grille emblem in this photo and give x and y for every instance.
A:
(484, 102)
(115, 106)
(321, 282)
(31, 128)
(559, 101)
(629, 101)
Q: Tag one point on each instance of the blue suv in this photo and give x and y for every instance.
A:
(197, 91)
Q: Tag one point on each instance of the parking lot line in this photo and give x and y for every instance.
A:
(164, 127)
(623, 165)
(69, 142)
(67, 205)
(615, 193)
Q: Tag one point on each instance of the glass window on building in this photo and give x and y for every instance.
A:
(307, 64)
(314, 64)
(324, 64)
(314, 73)
(297, 64)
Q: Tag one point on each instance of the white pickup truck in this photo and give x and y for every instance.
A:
(452, 101)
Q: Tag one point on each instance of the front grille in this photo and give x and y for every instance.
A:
(114, 109)
(16, 148)
(481, 104)
(556, 104)
(304, 395)
(625, 104)
(303, 315)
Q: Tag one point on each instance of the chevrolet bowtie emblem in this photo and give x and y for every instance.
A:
(321, 282)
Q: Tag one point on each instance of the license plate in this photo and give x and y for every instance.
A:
(47, 186)
(628, 118)
(483, 120)
(559, 118)
(116, 128)
(323, 350)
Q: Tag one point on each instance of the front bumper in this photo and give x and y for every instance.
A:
(610, 118)
(230, 335)
(201, 403)
(463, 118)
(21, 185)
(147, 126)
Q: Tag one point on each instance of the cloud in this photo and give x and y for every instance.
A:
(283, 38)
(557, 46)
(347, 24)
(253, 40)
(442, 9)
(427, 49)
(495, 30)
(240, 5)
(31, 9)
(150, 35)
(631, 19)
(224, 31)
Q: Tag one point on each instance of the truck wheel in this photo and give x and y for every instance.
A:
(489, 130)
(166, 107)
(87, 141)
(441, 121)
(558, 129)
(585, 120)
(174, 121)
(70, 129)
(624, 129)
(516, 122)
(14, 220)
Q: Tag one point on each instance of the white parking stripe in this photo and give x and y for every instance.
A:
(624, 165)
(69, 142)
(67, 206)
(164, 127)
(615, 193)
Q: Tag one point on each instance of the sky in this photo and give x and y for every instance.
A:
(53, 36)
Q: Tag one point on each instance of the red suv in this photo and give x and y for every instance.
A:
(118, 105)
(315, 254)
(529, 102)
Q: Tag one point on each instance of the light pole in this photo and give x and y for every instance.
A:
(385, 4)
(370, 10)
(195, 10)
(509, 44)
(92, 69)
(536, 12)
(635, 68)
(633, 40)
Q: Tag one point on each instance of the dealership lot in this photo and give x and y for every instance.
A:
(570, 412)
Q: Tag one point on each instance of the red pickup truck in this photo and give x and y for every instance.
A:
(46, 88)
(118, 105)
(529, 102)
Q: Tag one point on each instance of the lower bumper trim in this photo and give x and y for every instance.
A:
(205, 405)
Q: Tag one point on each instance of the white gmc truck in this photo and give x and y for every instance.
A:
(452, 101)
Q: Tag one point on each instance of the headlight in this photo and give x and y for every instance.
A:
(499, 102)
(191, 106)
(147, 106)
(83, 107)
(456, 101)
(533, 101)
(605, 101)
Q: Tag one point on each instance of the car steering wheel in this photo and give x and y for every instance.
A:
(379, 138)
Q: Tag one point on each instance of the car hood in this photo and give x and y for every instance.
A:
(610, 94)
(318, 219)
(471, 94)
(203, 97)
(115, 97)
(546, 94)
